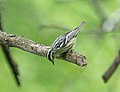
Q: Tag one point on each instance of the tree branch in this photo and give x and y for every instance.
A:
(20, 42)
(12, 64)
(112, 68)
(52, 26)
(8, 56)
(98, 8)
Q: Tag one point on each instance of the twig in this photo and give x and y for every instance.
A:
(93, 31)
(112, 22)
(8, 56)
(51, 26)
(111, 69)
(98, 8)
(12, 64)
(20, 42)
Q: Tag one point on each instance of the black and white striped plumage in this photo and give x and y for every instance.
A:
(63, 43)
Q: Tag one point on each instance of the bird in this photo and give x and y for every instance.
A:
(64, 43)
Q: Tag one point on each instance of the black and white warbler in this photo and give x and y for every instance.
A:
(63, 43)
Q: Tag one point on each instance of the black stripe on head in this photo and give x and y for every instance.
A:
(50, 56)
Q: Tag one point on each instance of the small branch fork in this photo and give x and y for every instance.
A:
(112, 68)
(11, 62)
(20, 42)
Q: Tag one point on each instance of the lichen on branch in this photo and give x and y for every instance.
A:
(28, 45)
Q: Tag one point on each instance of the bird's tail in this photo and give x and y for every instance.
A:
(77, 29)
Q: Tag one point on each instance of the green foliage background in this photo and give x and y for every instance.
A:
(37, 74)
